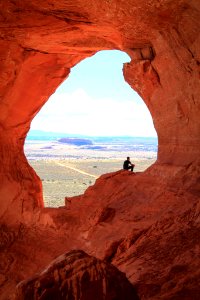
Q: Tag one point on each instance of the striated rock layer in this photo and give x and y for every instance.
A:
(146, 224)
(145, 227)
(76, 275)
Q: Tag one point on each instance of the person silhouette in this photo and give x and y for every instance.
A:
(128, 165)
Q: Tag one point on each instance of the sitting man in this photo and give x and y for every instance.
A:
(128, 165)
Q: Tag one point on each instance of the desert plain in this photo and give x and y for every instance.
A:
(67, 171)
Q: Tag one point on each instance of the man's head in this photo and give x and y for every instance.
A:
(128, 158)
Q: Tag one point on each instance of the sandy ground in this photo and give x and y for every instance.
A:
(67, 170)
(70, 177)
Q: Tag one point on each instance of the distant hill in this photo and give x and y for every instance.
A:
(48, 135)
(75, 141)
(108, 143)
(39, 134)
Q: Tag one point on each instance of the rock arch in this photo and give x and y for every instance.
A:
(41, 42)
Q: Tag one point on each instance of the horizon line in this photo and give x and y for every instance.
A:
(86, 135)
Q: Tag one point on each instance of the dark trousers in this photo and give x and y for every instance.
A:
(130, 168)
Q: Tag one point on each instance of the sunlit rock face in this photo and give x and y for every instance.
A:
(145, 227)
(127, 219)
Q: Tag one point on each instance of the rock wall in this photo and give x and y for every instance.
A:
(39, 43)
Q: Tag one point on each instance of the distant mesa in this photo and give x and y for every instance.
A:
(94, 147)
(47, 147)
(75, 141)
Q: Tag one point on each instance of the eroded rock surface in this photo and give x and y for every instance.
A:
(146, 224)
(78, 276)
(40, 42)
(146, 228)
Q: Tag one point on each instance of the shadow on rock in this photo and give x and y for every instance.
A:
(77, 276)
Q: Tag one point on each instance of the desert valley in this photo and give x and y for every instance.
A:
(68, 167)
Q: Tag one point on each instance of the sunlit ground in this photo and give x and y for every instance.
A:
(59, 179)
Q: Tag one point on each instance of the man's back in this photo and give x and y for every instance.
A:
(126, 164)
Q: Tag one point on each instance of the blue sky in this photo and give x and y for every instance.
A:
(95, 100)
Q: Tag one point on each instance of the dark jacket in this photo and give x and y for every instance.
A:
(127, 163)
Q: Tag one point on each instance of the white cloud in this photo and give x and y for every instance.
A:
(79, 113)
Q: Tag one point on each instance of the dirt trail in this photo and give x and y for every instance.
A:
(75, 169)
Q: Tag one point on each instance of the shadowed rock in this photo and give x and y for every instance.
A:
(77, 276)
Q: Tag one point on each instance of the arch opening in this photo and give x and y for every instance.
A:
(88, 127)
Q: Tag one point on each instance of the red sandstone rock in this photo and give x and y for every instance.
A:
(155, 229)
(77, 276)
(146, 224)
(41, 42)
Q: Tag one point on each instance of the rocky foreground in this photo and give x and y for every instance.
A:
(143, 225)
(146, 224)
(76, 275)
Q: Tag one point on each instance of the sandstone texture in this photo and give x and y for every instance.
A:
(146, 224)
(76, 275)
